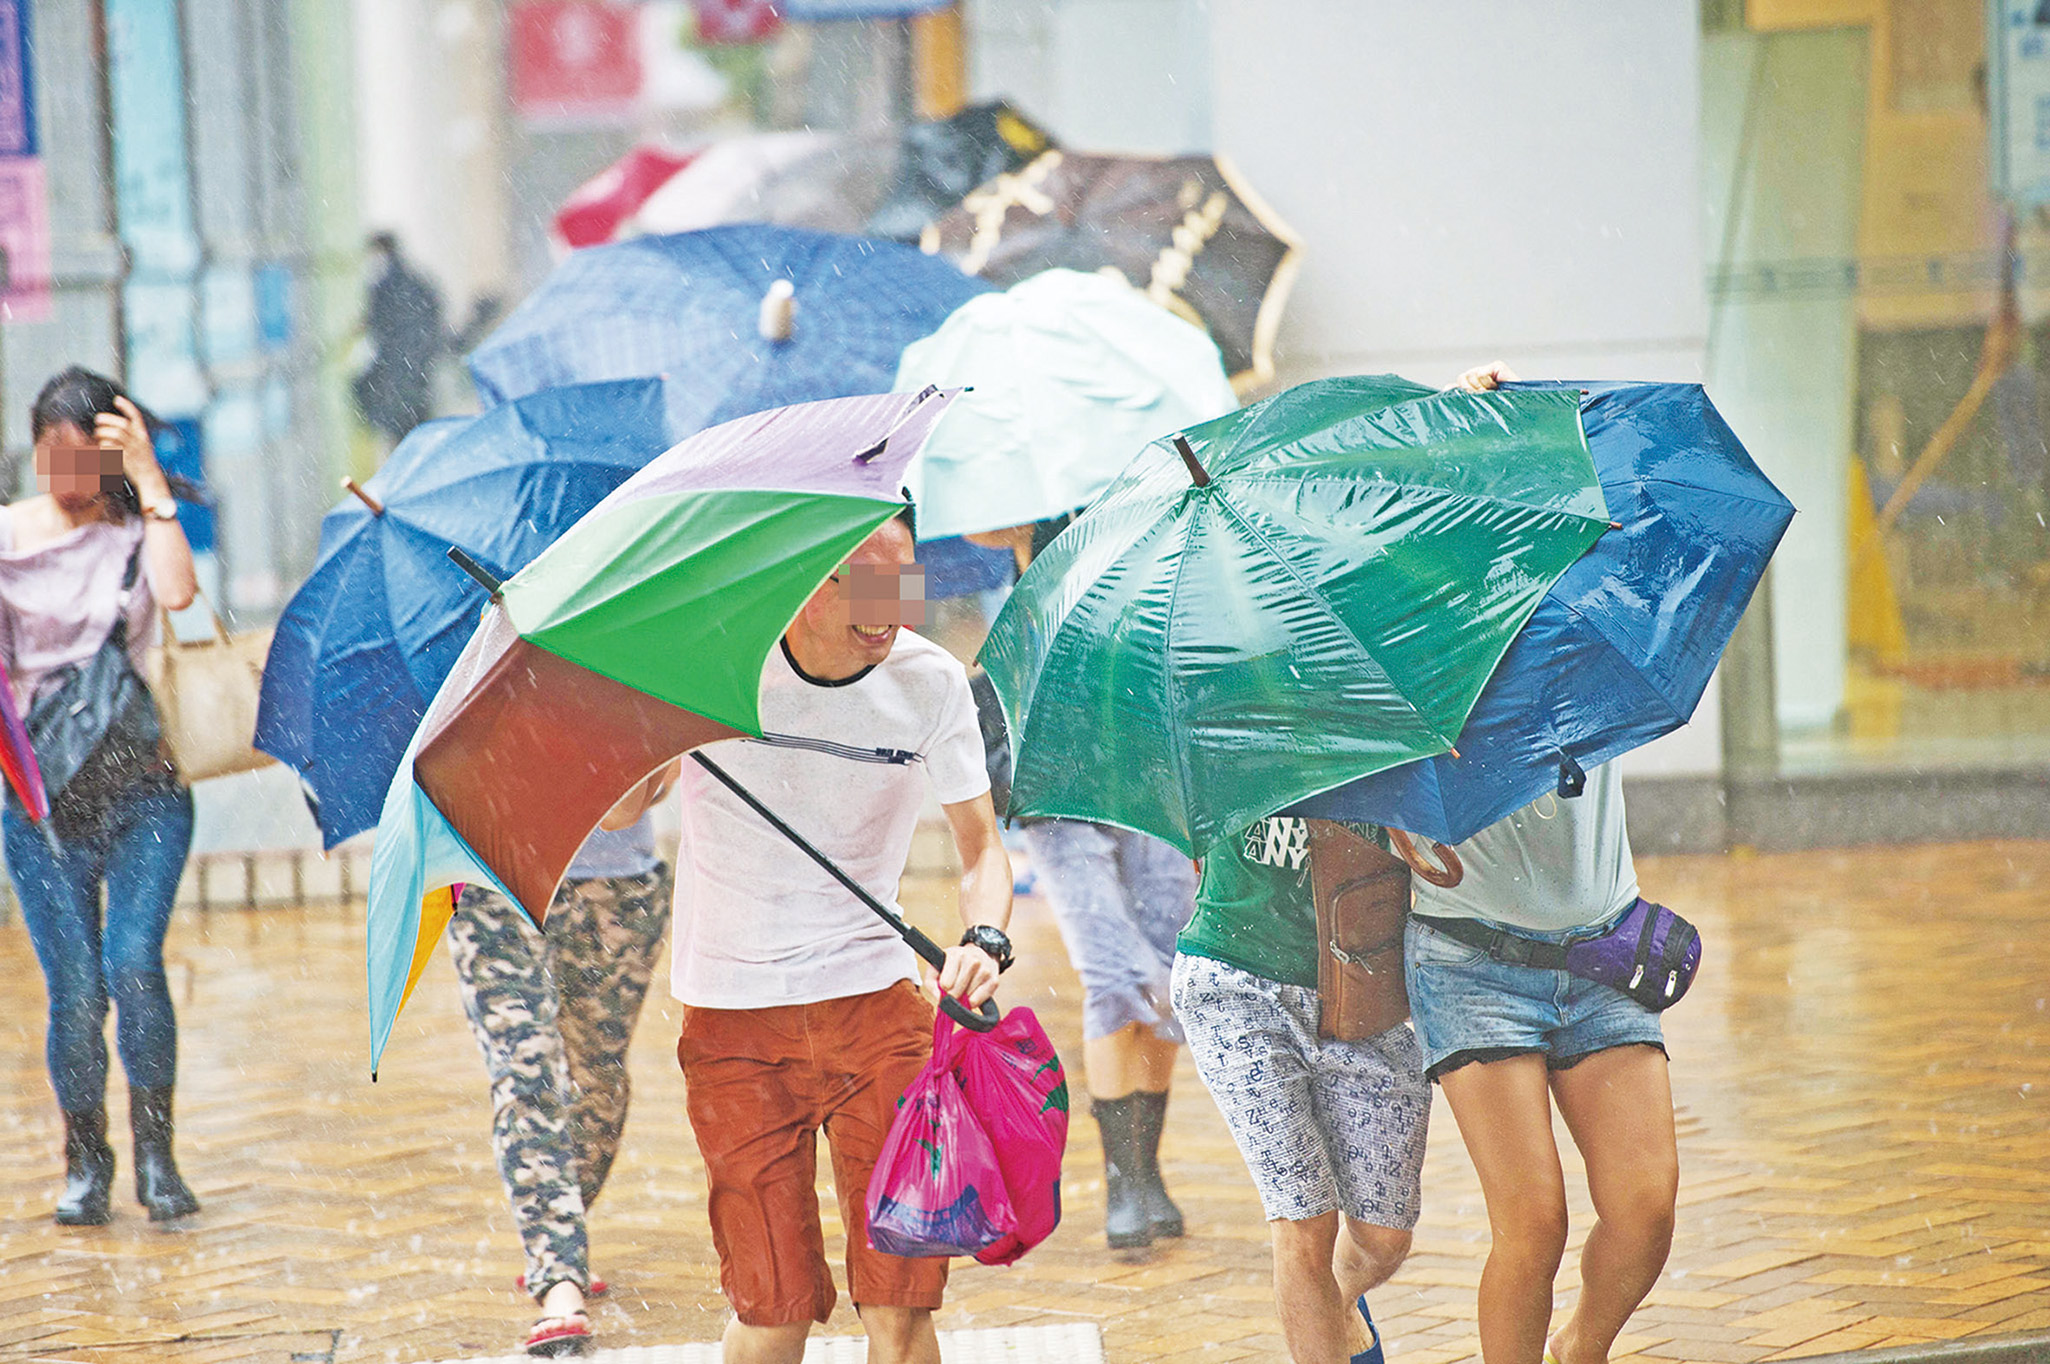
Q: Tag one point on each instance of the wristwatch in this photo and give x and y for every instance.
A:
(163, 509)
(992, 941)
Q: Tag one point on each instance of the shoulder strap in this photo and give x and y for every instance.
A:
(118, 636)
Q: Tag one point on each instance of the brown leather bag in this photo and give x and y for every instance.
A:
(1362, 897)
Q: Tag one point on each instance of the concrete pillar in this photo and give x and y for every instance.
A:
(1783, 132)
(431, 121)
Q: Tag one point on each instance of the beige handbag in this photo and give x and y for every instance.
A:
(206, 693)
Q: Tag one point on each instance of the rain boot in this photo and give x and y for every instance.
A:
(88, 1170)
(158, 1186)
(1163, 1218)
(1125, 1223)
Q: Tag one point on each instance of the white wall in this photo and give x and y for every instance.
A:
(1115, 75)
(1475, 179)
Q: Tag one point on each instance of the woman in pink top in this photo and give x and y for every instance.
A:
(65, 579)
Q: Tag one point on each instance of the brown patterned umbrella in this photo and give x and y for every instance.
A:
(1186, 229)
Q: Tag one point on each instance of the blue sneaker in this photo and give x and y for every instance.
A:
(1372, 1354)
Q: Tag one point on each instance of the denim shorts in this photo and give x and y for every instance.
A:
(1469, 1007)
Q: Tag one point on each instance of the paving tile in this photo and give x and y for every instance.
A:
(1858, 1156)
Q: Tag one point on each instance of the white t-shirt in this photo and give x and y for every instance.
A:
(1555, 864)
(846, 765)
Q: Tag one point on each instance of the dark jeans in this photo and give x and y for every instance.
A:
(87, 956)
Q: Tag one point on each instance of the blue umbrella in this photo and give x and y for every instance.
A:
(368, 639)
(1619, 650)
(696, 308)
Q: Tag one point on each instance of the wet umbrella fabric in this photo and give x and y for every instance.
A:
(1068, 376)
(1188, 230)
(1622, 646)
(1186, 659)
(726, 181)
(370, 636)
(886, 184)
(608, 205)
(941, 160)
(688, 308)
(18, 756)
(638, 635)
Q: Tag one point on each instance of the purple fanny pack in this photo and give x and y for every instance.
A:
(1650, 955)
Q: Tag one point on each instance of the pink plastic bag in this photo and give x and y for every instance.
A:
(937, 1188)
(1018, 1092)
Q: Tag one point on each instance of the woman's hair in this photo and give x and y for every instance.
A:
(79, 396)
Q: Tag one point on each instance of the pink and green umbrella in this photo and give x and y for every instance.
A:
(638, 635)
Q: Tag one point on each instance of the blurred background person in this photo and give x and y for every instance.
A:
(83, 568)
(407, 332)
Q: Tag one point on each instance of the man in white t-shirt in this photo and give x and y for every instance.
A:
(802, 1007)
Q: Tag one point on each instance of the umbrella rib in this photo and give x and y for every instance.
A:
(1494, 499)
(1782, 504)
(1635, 671)
(1310, 594)
(1174, 702)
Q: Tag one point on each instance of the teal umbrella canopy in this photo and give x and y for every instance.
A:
(1303, 592)
(1067, 377)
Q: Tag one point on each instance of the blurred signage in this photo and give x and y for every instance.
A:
(181, 449)
(575, 60)
(812, 11)
(24, 241)
(720, 22)
(154, 207)
(2018, 98)
(17, 93)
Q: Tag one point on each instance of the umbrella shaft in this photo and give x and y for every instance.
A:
(922, 945)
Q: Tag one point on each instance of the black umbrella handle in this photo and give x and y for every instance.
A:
(981, 1020)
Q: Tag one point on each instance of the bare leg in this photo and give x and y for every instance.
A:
(1619, 1106)
(1132, 1058)
(563, 1299)
(1505, 1116)
(1318, 1273)
(1366, 1255)
(764, 1344)
(900, 1335)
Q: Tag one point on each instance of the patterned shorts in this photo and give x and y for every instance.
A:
(1323, 1126)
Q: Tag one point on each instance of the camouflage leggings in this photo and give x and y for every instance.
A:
(553, 1013)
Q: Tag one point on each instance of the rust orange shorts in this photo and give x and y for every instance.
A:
(761, 1084)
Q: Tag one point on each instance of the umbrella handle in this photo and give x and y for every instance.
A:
(981, 1020)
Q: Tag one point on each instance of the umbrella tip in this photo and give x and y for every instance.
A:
(352, 486)
(1196, 472)
(778, 316)
(483, 575)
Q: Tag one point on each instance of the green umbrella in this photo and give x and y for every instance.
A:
(1303, 592)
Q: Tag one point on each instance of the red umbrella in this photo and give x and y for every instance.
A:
(600, 206)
